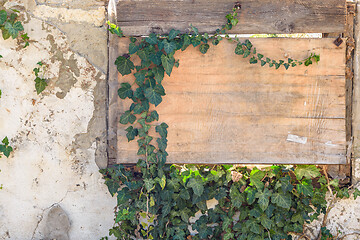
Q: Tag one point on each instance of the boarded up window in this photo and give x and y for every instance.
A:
(221, 109)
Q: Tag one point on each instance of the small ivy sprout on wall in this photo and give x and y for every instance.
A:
(10, 27)
(40, 80)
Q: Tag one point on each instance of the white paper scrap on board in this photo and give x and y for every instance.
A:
(296, 139)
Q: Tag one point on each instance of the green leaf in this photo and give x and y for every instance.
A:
(168, 62)
(127, 117)
(153, 96)
(263, 199)
(253, 226)
(11, 30)
(173, 33)
(196, 185)
(152, 39)
(149, 184)
(124, 65)
(133, 48)
(204, 48)
(305, 188)
(40, 84)
(184, 215)
(113, 186)
(169, 47)
(286, 65)
(162, 143)
(158, 73)
(123, 196)
(255, 178)
(356, 193)
(239, 49)
(236, 197)
(251, 193)
(3, 17)
(266, 222)
(307, 171)
(263, 63)
(125, 91)
(281, 200)
(131, 133)
(162, 130)
(253, 60)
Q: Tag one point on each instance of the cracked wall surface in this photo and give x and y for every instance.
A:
(59, 136)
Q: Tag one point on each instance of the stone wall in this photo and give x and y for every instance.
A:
(51, 185)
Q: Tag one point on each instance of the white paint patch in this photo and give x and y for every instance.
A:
(296, 139)
(329, 143)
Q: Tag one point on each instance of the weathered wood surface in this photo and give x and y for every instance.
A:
(221, 109)
(141, 17)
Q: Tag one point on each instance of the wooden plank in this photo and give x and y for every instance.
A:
(141, 17)
(343, 171)
(221, 109)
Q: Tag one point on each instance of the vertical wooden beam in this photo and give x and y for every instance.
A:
(356, 102)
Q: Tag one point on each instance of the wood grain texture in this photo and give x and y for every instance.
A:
(221, 109)
(141, 17)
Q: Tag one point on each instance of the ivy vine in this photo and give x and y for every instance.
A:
(158, 201)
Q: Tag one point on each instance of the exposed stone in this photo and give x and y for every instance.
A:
(57, 224)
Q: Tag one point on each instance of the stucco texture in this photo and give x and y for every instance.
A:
(51, 184)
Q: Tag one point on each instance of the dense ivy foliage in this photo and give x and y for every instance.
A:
(158, 200)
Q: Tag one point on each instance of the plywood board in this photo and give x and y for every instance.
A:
(221, 109)
(141, 17)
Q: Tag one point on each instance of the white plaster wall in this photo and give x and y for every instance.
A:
(46, 168)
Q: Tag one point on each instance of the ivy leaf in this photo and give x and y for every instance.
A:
(263, 63)
(173, 33)
(253, 60)
(166, 209)
(113, 186)
(40, 84)
(204, 48)
(162, 130)
(183, 214)
(149, 184)
(158, 73)
(123, 196)
(127, 117)
(14, 29)
(125, 91)
(236, 197)
(169, 47)
(133, 48)
(131, 133)
(239, 49)
(307, 171)
(196, 185)
(153, 96)
(124, 65)
(356, 193)
(281, 200)
(255, 178)
(187, 42)
(3, 17)
(139, 78)
(263, 199)
(152, 39)
(253, 226)
(162, 143)
(250, 197)
(266, 222)
(305, 188)
(168, 62)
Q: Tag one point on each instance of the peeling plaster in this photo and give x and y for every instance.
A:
(56, 136)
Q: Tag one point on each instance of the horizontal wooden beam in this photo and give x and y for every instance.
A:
(141, 17)
(221, 109)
